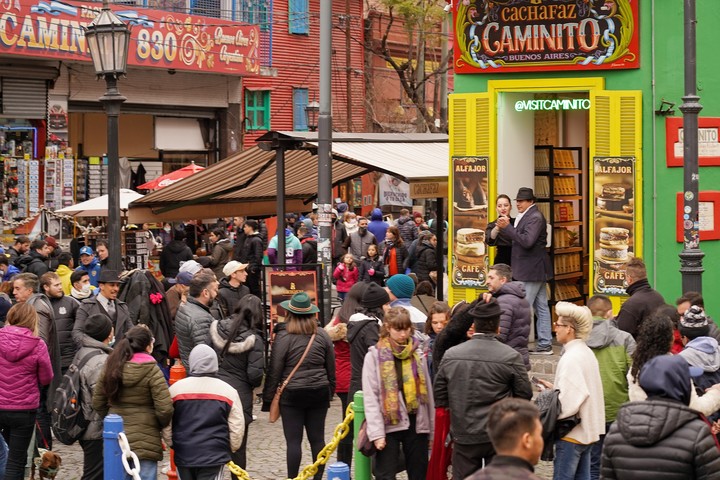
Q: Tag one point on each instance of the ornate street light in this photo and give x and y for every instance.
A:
(108, 39)
(311, 112)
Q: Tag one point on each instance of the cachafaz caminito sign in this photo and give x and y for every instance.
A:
(532, 35)
(160, 39)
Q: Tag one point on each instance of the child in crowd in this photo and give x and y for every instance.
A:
(372, 268)
(346, 274)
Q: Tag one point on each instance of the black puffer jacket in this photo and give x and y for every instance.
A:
(471, 378)
(642, 302)
(454, 333)
(659, 440)
(229, 297)
(362, 333)
(65, 309)
(172, 254)
(244, 363)
(317, 371)
(408, 229)
(515, 318)
(424, 261)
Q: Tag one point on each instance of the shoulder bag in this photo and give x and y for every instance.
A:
(275, 405)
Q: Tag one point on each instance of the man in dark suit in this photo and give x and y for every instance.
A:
(105, 302)
(530, 261)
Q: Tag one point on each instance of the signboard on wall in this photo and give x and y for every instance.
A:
(537, 35)
(160, 39)
(708, 141)
(470, 204)
(614, 222)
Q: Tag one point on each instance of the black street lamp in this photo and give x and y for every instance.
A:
(311, 113)
(108, 39)
(691, 256)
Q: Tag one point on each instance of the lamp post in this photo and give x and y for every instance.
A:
(691, 256)
(311, 114)
(108, 38)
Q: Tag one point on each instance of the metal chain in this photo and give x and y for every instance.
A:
(341, 431)
(43, 208)
(127, 453)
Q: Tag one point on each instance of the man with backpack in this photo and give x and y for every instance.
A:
(84, 373)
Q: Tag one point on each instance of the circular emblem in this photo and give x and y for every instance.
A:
(688, 209)
(689, 196)
(687, 224)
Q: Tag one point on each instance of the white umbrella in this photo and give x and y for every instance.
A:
(98, 207)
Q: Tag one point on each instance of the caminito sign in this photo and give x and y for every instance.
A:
(160, 39)
(550, 104)
(532, 35)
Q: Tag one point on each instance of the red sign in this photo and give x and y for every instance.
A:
(534, 35)
(160, 39)
(708, 224)
(708, 141)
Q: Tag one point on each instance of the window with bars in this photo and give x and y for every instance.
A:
(255, 12)
(300, 101)
(299, 17)
(257, 109)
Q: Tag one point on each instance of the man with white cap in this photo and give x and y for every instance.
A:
(232, 287)
(581, 392)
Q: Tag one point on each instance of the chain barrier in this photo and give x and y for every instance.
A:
(341, 431)
(44, 209)
(127, 453)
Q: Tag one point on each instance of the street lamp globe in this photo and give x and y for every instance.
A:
(108, 39)
(311, 112)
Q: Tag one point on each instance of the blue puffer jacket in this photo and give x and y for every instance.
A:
(515, 318)
(93, 271)
(377, 226)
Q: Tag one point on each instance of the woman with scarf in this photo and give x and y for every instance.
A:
(394, 252)
(399, 404)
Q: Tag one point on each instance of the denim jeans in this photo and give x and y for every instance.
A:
(18, 427)
(596, 455)
(536, 295)
(3, 456)
(572, 461)
(148, 470)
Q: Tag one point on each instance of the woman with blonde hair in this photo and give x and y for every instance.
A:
(399, 405)
(306, 397)
(133, 386)
(25, 364)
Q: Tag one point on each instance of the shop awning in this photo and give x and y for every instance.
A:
(245, 183)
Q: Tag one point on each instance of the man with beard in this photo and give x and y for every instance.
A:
(36, 260)
(193, 318)
(19, 248)
(357, 242)
(64, 310)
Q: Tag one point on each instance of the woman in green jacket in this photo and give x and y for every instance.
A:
(132, 386)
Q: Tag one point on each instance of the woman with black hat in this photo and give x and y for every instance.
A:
(306, 397)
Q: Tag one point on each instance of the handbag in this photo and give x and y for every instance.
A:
(365, 446)
(275, 405)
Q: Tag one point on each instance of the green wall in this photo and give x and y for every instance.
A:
(660, 183)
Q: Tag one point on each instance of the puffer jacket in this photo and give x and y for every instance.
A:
(172, 254)
(471, 378)
(244, 363)
(222, 253)
(398, 252)
(89, 376)
(377, 226)
(65, 309)
(25, 363)
(93, 271)
(408, 229)
(317, 371)
(642, 302)
(229, 297)
(38, 264)
(659, 440)
(337, 330)
(425, 261)
(363, 332)
(703, 352)
(515, 318)
(612, 348)
(378, 270)
(192, 326)
(144, 403)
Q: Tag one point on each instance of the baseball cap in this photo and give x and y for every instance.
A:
(190, 266)
(232, 267)
(183, 278)
(86, 251)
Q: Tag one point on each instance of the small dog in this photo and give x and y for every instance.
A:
(47, 464)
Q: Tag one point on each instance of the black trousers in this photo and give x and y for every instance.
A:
(17, 428)
(201, 473)
(345, 449)
(294, 421)
(239, 458)
(92, 459)
(44, 420)
(415, 447)
(468, 459)
(253, 283)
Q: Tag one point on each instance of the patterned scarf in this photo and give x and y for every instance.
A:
(413, 378)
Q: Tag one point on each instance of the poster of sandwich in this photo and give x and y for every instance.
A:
(614, 220)
(469, 200)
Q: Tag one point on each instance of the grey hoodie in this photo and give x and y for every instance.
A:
(203, 361)
(702, 352)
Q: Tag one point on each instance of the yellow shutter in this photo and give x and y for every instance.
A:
(616, 131)
(472, 133)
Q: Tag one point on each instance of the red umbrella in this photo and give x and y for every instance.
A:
(170, 178)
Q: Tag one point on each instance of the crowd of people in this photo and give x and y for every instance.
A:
(447, 388)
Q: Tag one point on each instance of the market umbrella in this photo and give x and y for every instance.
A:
(170, 178)
(98, 206)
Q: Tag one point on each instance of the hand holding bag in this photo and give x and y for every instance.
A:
(275, 405)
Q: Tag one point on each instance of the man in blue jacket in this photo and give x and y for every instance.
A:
(90, 264)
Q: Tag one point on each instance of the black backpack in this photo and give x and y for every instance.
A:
(68, 421)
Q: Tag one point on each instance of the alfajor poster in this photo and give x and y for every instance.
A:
(613, 222)
(469, 195)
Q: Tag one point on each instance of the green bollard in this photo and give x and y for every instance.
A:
(361, 463)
